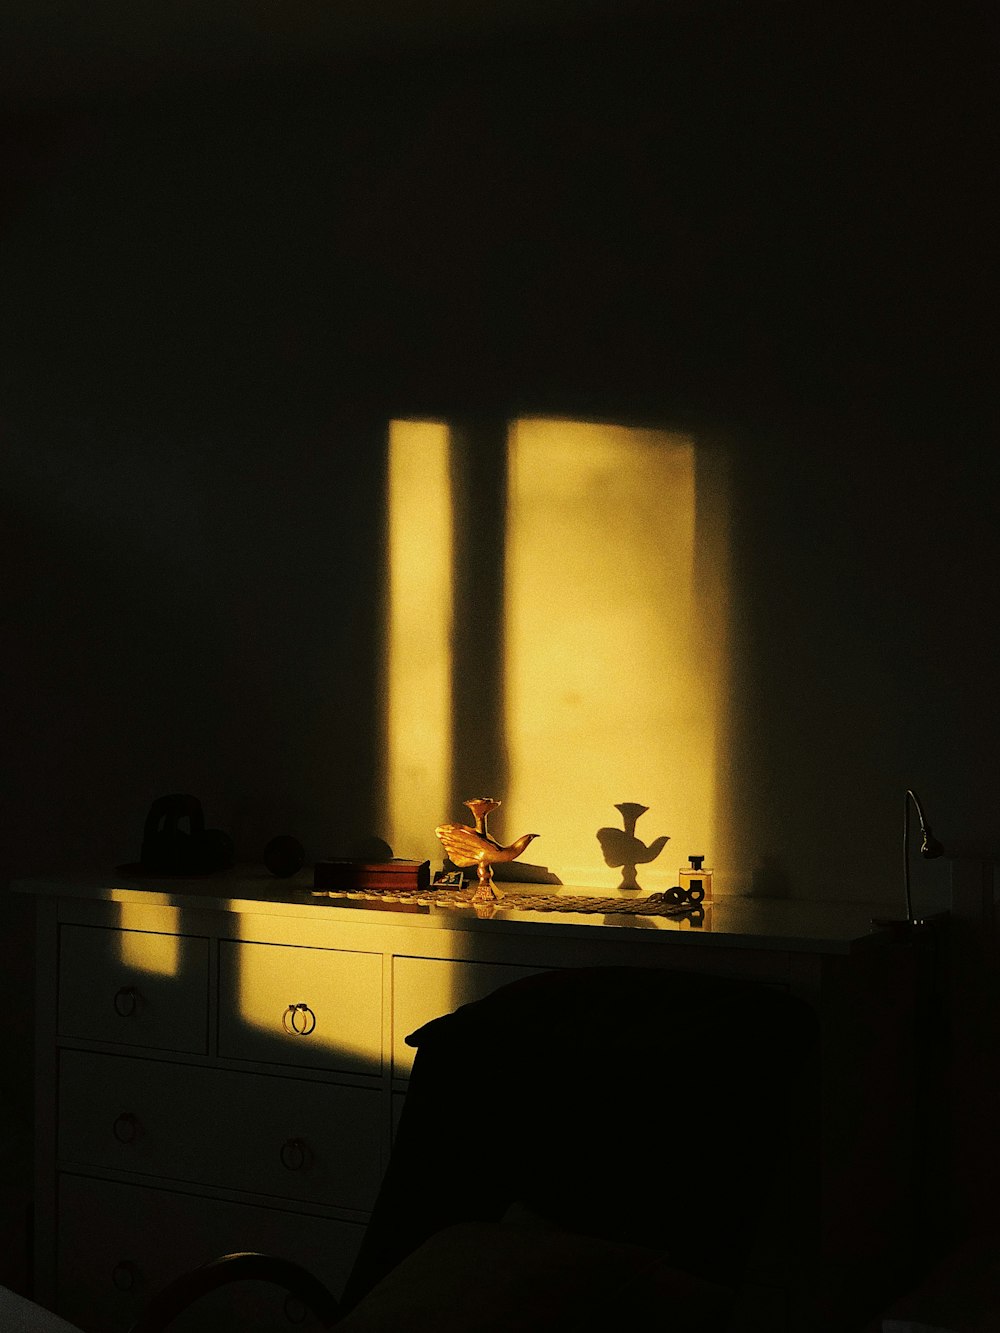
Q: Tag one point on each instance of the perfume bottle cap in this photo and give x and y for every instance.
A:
(696, 862)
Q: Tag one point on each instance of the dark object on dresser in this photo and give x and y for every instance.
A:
(168, 848)
(284, 856)
(396, 875)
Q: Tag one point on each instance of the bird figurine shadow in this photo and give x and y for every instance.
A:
(622, 848)
(467, 847)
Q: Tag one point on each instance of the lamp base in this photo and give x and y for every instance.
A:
(898, 925)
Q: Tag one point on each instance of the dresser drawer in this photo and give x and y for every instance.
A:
(426, 988)
(106, 1274)
(319, 1008)
(287, 1137)
(134, 988)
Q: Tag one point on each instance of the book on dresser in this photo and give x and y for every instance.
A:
(397, 875)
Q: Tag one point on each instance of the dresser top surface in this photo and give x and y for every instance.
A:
(760, 923)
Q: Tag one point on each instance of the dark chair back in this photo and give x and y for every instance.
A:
(645, 1105)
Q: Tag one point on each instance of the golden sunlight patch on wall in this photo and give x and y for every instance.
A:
(419, 636)
(606, 657)
(611, 668)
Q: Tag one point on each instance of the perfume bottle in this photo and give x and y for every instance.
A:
(695, 883)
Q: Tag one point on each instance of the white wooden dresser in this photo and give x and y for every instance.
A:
(220, 1062)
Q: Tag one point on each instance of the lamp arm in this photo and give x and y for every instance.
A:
(906, 852)
(920, 810)
(929, 846)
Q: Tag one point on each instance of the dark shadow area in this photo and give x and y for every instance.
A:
(478, 468)
(770, 878)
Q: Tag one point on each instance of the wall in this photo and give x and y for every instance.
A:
(763, 230)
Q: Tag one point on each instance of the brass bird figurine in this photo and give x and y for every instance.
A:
(467, 846)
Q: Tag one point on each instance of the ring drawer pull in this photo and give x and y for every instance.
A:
(124, 1001)
(294, 1154)
(123, 1275)
(125, 1128)
(300, 1019)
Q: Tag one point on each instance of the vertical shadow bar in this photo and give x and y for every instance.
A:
(712, 576)
(478, 458)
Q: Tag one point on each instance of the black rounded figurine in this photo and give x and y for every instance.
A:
(284, 856)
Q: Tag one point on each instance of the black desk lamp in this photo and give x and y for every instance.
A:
(929, 845)
(929, 849)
